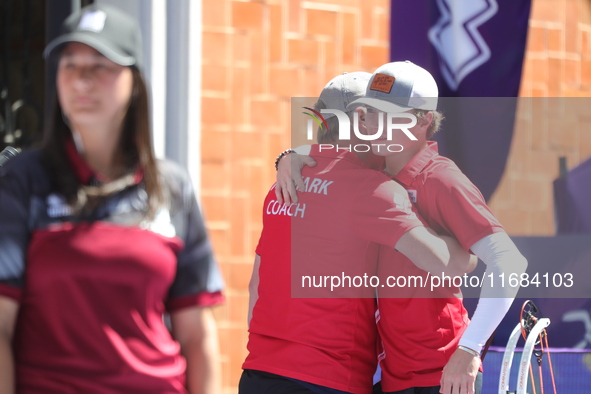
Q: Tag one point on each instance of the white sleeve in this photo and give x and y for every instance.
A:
(304, 150)
(500, 255)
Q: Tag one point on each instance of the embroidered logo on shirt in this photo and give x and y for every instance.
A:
(57, 206)
(93, 21)
(403, 204)
(413, 195)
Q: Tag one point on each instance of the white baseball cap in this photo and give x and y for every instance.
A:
(398, 87)
(342, 90)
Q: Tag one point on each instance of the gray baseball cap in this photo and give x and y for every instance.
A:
(107, 29)
(400, 86)
(342, 90)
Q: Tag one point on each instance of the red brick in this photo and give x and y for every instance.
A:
(215, 47)
(556, 40)
(304, 52)
(276, 41)
(320, 22)
(571, 27)
(383, 25)
(265, 113)
(503, 196)
(285, 81)
(238, 308)
(258, 65)
(539, 123)
(345, 3)
(214, 13)
(246, 145)
(277, 144)
(543, 162)
(247, 15)
(219, 237)
(540, 72)
(214, 177)
(572, 74)
(518, 221)
(237, 356)
(372, 56)
(220, 314)
(585, 139)
(240, 48)
(555, 74)
(294, 13)
(520, 148)
(350, 34)
(312, 83)
(230, 337)
(585, 40)
(238, 277)
(526, 76)
(216, 77)
(586, 74)
(256, 202)
(238, 215)
(584, 11)
(367, 28)
(547, 10)
(543, 223)
(214, 111)
(240, 95)
(562, 134)
(215, 146)
(217, 209)
(522, 132)
(329, 68)
(536, 39)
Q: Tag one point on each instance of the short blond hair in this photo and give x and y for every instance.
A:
(330, 135)
(435, 123)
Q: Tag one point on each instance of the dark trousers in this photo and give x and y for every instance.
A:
(427, 390)
(258, 382)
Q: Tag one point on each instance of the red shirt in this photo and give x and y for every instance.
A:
(92, 291)
(419, 335)
(325, 341)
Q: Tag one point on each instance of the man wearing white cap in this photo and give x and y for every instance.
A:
(328, 345)
(428, 345)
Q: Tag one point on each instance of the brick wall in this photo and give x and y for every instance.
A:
(553, 119)
(256, 56)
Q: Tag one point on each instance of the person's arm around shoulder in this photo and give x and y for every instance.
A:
(289, 173)
(437, 254)
(384, 214)
(196, 331)
(8, 313)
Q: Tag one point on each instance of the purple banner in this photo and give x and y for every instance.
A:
(572, 194)
(473, 48)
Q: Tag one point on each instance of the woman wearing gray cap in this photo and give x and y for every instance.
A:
(98, 239)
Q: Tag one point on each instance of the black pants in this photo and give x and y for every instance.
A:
(427, 390)
(258, 382)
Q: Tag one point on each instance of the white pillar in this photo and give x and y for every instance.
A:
(151, 15)
(183, 105)
(171, 32)
(194, 86)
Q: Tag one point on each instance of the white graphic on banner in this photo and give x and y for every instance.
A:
(455, 36)
(581, 316)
